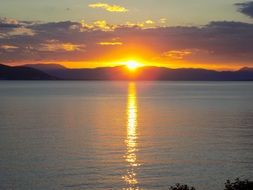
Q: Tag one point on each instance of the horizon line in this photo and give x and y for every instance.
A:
(122, 65)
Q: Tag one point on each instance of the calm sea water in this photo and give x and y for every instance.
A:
(128, 136)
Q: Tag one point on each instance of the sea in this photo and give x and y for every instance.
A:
(150, 135)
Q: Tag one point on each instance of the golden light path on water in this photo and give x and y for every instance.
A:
(131, 139)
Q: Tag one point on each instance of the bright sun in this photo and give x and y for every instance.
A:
(132, 65)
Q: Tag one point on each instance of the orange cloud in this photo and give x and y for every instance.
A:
(176, 54)
(107, 7)
(53, 45)
(8, 48)
(110, 43)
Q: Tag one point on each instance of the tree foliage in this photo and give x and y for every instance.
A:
(178, 186)
(239, 185)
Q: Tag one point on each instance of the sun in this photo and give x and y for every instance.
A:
(132, 64)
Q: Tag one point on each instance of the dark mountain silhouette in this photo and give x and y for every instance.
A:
(144, 73)
(22, 73)
(45, 67)
(55, 71)
(247, 69)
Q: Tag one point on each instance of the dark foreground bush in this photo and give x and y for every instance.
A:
(236, 185)
(239, 185)
(181, 187)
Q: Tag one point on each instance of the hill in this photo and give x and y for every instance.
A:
(22, 73)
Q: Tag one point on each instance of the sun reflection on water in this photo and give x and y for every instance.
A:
(131, 140)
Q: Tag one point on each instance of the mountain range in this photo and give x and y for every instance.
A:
(59, 72)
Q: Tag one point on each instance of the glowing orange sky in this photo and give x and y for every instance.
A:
(110, 34)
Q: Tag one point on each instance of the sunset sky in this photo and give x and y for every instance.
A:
(213, 34)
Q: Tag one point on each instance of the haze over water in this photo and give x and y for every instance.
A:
(124, 135)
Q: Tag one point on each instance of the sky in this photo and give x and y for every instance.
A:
(212, 34)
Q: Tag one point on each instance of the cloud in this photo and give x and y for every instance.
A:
(104, 26)
(177, 54)
(21, 31)
(110, 43)
(54, 45)
(8, 48)
(246, 8)
(107, 7)
(6, 22)
(97, 25)
(215, 43)
(12, 27)
(149, 22)
(163, 20)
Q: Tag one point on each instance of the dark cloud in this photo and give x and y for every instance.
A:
(246, 8)
(7, 25)
(219, 42)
